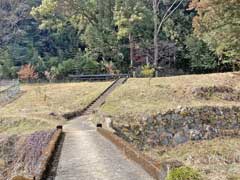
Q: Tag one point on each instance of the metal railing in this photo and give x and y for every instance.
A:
(97, 77)
(11, 91)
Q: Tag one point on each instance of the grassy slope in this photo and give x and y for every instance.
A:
(31, 111)
(160, 94)
(216, 159)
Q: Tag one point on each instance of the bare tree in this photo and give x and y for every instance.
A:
(158, 23)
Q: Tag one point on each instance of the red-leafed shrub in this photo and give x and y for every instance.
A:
(27, 73)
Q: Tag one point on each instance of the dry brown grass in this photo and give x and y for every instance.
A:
(31, 111)
(217, 159)
(160, 94)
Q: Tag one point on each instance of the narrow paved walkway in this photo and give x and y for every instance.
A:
(86, 155)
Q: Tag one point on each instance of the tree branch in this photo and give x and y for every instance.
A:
(173, 10)
(169, 8)
(167, 14)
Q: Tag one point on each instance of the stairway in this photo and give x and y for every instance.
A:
(101, 99)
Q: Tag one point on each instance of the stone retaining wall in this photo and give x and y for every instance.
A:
(158, 170)
(39, 167)
(221, 92)
(181, 125)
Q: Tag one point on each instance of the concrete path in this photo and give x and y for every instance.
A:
(86, 155)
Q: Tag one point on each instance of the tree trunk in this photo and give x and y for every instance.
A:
(155, 39)
(156, 53)
(131, 49)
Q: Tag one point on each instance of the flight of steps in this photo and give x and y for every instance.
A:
(101, 99)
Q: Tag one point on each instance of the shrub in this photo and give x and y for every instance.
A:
(147, 71)
(109, 67)
(183, 173)
(7, 69)
(50, 75)
(65, 68)
(27, 73)
(87, 64)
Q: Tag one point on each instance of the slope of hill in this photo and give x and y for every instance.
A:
(138, 101)
(160, 94)
(42, 105)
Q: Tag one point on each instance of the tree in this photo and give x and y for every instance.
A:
(129, 15)
(201, 58)
(62, 37)
(80, 36)
(92, 18)
(218, 24)
(12, 13)
(7, 69)
(177, 29)
(158, 23)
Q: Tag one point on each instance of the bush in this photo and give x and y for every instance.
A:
(87, 64)
(65, 68)
(7, 69)
(184, 173)
(27, 73)
(147, 71)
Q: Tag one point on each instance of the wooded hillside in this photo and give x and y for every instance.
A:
(61, 37)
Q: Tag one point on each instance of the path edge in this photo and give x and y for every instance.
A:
(47, 155)
(157, 170)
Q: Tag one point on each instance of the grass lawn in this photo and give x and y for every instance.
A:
(160, 94)
(42, 105)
